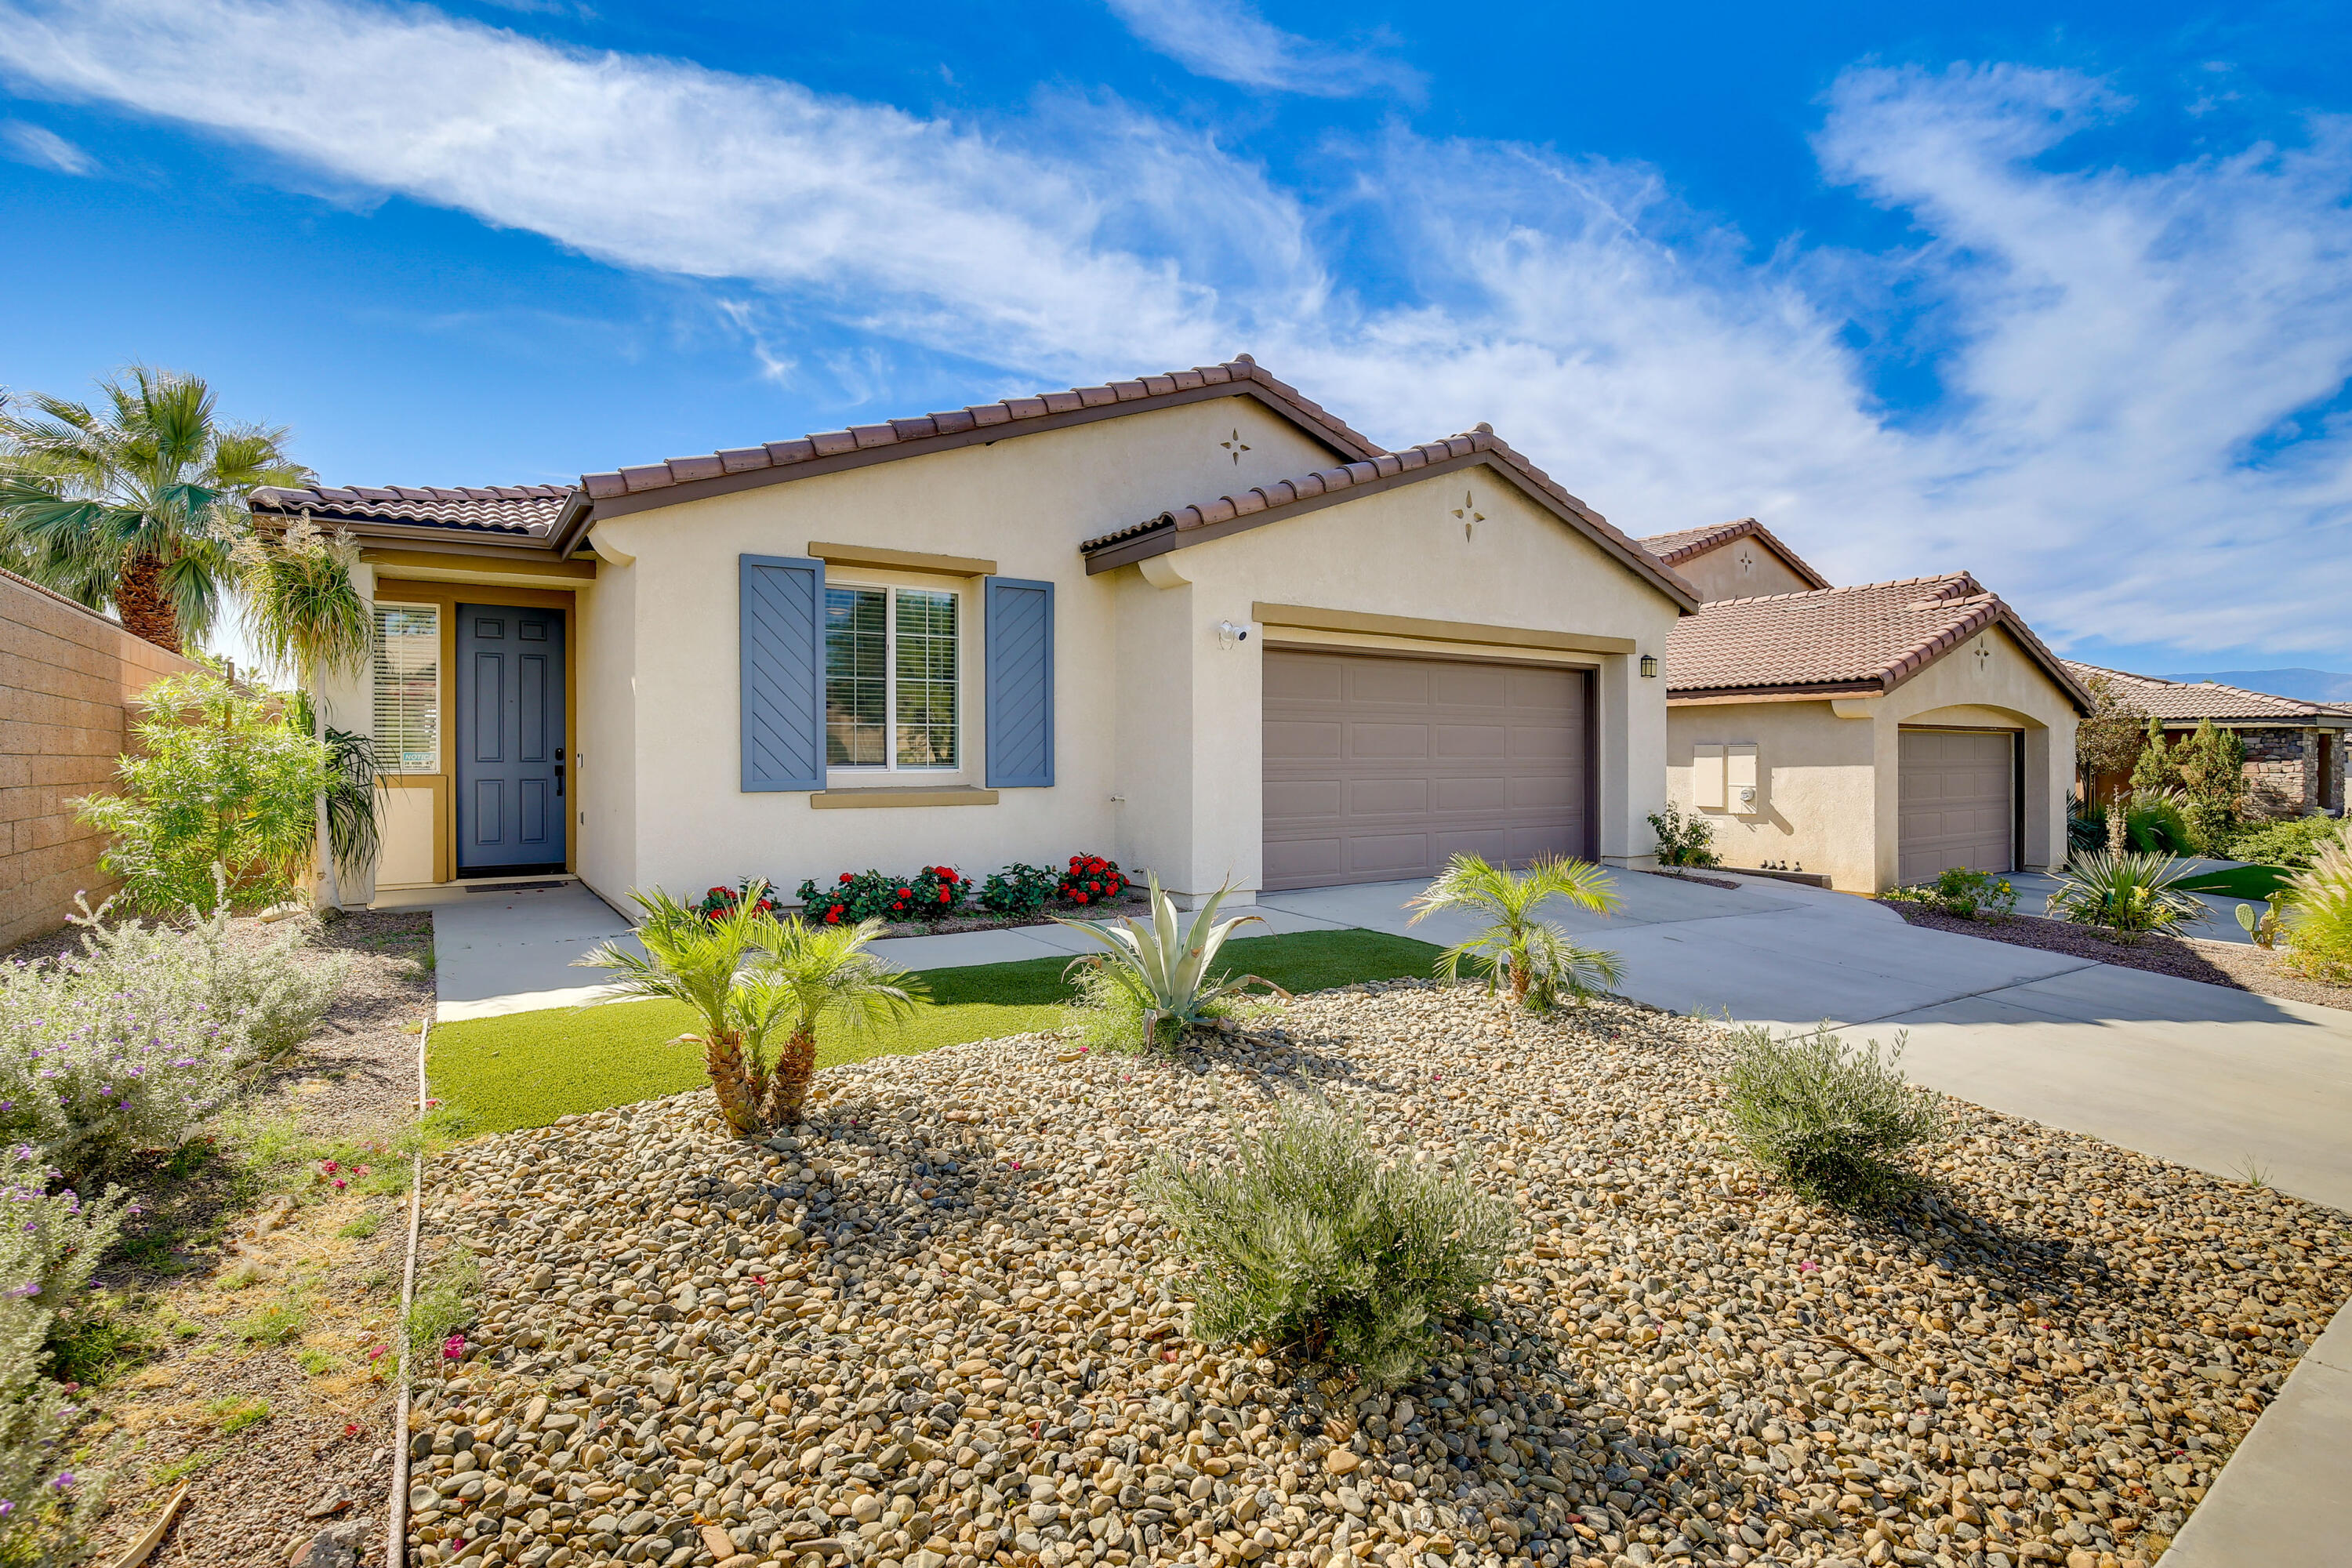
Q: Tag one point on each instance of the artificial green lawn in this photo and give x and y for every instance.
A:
(525, 1070)
(2239, 881)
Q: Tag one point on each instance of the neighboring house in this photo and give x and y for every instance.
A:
(1192, 621)
(1876, 734)
(2296, 750)
(1735, 560)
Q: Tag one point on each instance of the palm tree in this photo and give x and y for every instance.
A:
(747, 975)
(135, 505)
(1535, 957)
(697, 961)
(819, 973)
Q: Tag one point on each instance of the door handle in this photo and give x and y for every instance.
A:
(559, 781)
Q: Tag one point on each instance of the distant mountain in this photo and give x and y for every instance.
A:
(2304, 685)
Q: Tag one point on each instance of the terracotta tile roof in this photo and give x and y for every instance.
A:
(1679, 546)
(1008, 416)
(2185, 702)
(1870, 636)
(523, 511)
(1185, 525)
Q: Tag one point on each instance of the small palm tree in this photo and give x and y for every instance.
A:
(135, 505)
(816, 972)
(749, 974)
(1534, 958)
(697, 960)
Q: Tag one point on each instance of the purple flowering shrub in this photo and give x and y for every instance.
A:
(49, 1243)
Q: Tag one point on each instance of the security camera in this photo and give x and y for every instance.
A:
(1229, 634)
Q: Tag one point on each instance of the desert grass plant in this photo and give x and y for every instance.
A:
(2126, 895)
(219, 778)
(1158, 983)
(1534, 961)
(1308, 1237)
(749, 975)
(2317, 923)
(1830, 1119)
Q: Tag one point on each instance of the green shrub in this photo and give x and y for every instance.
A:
(1684, 840)
(2293, 841)
(49, 1244)
(933, 893)
(268, 1001)
(1019, 890)
(220, 778)
(1832, 1120)
(1307, 1236)
(2318, 913)
(1970, 895)
(2158, 824)
(2129, 895)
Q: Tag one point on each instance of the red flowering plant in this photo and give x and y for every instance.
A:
(1091, 879)
(931, 894)
(720, 902)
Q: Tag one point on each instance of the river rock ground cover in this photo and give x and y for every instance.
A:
(937, 1328)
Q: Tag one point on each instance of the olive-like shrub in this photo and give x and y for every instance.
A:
(1832, 1120)
(1307, 1236)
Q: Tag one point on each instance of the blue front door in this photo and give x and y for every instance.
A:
(510, 796)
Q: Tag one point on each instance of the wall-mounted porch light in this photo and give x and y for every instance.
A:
(1648, 667)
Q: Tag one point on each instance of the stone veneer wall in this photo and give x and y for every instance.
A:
(2282, 770)
(67, 675)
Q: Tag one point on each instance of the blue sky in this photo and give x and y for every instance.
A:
(2057, 295)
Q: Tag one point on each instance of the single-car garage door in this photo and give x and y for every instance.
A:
(1379, 768)
(1957, 808)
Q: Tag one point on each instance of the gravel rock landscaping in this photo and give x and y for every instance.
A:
(936, 1328)
(2238, 965)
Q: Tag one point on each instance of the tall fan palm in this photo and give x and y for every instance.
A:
(1533, 957)
(134, 504)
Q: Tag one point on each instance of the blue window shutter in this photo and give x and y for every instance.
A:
(783, 673)
(1017, 627)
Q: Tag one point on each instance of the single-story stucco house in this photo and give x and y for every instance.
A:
(1876, 734)
(1191, 621)
(2295, 750)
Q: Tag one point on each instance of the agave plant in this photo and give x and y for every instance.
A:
(1533, 958)
(1163, 970)
(749, 974)
(2129, 894)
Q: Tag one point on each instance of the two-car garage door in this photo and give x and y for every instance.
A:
(1379, 768)
(1958, 802)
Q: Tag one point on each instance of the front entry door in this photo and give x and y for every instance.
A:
(510, 796)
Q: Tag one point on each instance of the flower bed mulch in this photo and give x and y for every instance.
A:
(2237, 964)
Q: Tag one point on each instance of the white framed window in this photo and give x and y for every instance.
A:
(892, 691)
(407, 687)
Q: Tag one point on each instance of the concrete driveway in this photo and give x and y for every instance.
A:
(2220, 1079)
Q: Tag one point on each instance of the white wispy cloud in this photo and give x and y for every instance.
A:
(2139, 439)
(1228, 40)
(45, 149)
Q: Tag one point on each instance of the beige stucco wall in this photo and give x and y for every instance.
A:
(1831, 770)
(1024, 503)
(1742, 568)
(1158, 726)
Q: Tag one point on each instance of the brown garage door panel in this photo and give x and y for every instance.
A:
(1958, 802)
(1381, 769)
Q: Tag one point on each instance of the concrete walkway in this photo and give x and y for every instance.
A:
(504, 949)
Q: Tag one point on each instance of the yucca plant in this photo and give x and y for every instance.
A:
(1533, 959)
(1163, 973)
(2318, 924)
(749, 976)
(2128, 894)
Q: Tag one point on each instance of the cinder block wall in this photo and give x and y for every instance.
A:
(67, 676)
